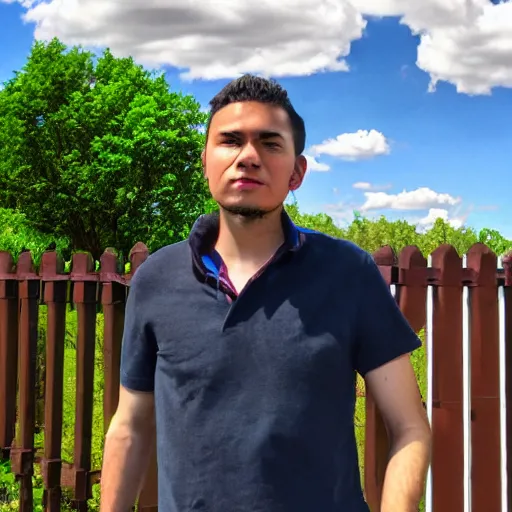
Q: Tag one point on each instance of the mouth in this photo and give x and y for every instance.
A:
(248, 181)
(247, 184)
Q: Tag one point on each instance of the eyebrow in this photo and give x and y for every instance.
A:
(263, 135)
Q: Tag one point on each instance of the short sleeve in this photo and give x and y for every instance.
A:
(382, 332)
(139, 348)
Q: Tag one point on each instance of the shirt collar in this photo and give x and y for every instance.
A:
(205, 231)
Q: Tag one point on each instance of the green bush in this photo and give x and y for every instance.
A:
(17, 235)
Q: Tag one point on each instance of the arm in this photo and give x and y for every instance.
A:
(384, 342)
(131, 431)
(126, 456)
(396, 395)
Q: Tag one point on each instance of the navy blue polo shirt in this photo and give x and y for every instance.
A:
(255, 393)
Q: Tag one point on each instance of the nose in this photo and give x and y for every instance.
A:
(249, 157)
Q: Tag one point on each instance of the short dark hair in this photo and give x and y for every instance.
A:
(254, 88)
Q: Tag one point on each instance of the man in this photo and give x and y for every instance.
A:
(246, 339)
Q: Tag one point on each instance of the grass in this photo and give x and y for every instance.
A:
(9, 494)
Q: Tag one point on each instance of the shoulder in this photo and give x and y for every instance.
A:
(336, 252)
(163, 262)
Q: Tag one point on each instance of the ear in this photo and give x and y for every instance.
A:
(203, 161)
(299, 171)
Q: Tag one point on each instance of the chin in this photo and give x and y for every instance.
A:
(243, 204)
(239, 202)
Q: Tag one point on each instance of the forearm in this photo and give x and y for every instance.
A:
(406, 472)
(125, 463)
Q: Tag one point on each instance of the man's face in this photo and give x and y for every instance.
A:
(249, 159)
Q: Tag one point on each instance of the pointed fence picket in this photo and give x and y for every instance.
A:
(462, 304)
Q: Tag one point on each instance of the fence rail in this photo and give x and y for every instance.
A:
(464, 305)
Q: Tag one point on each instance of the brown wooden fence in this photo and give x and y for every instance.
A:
(464, 307)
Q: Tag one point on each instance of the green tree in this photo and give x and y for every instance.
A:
(317, 222)
(371, 234)
(495, 241)
(99, 151)
(443, 233)
(17, 235)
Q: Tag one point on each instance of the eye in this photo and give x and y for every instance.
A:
(230, 142)
(271, 145)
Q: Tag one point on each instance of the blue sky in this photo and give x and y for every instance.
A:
(431, 96)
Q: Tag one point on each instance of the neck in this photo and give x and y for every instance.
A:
(249, 240)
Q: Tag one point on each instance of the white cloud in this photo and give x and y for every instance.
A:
(25, 3)
(464, 42)
(210, 39)
(364, 185)
(315, 165)
(439, 213)
(360, 145)
(419, 199)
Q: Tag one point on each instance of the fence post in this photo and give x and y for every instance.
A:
(507, 265)
(8, 352)
(447, 445)
(22, 455)
(376, 446)
(84, 296)
(485, 380)
(55, 295)
(113, 300)
(412, 293)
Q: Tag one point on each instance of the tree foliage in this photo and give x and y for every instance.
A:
(99, 151)
(371, 235)
(495, 240)
(16, 235)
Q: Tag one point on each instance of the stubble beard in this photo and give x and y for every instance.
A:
(248, 213)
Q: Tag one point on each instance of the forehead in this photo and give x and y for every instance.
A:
(251, 116)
